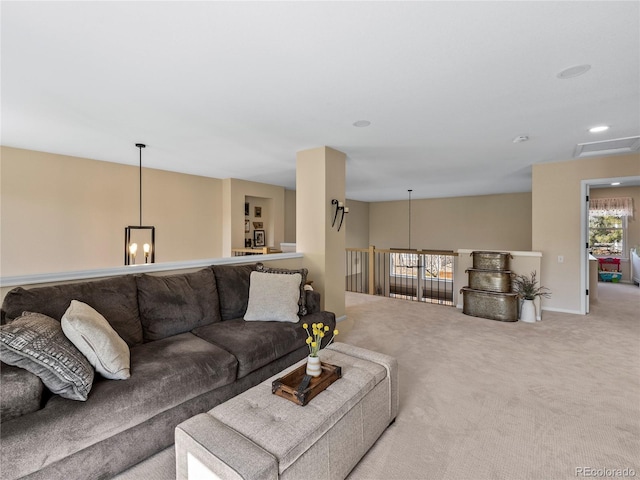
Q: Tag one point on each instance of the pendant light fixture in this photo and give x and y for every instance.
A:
(404, 260)
(135, 235)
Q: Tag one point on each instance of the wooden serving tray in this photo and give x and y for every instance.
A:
(287, 386)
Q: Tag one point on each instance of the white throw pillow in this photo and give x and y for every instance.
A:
(274, 297)
(90, 332)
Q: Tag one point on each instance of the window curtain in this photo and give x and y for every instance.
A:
(622, 206)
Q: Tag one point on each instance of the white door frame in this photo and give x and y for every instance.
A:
(585, 186)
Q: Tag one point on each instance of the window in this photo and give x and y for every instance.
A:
(408, 265)
(404, 265)
(608, 225)
(438, 266)
(607, 234)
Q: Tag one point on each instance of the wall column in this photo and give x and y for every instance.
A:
(320, 177)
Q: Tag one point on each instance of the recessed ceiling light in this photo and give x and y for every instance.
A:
(575, 71)
(362, 123)
(599, 128)
(520, 139)
(615, 183)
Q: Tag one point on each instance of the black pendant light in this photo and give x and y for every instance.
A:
(139, 234)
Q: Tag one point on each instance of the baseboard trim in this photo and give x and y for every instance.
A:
(562, 310)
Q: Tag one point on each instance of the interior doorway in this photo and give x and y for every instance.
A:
(587, 273)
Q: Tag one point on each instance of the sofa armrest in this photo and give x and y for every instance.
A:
(313, 301)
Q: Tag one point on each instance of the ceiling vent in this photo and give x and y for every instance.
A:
(607, 147)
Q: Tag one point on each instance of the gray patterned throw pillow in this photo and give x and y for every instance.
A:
(36, 343)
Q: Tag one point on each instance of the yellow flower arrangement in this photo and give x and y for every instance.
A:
(314, 338)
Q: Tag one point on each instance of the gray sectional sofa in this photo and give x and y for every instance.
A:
(190, 349)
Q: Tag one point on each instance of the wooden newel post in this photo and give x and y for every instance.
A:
(372, 273)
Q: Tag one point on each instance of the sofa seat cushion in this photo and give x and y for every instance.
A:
(116, 299)
(164, 374)
(254, 344)
(173, 304)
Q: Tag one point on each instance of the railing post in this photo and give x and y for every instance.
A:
(420, 276)
(372, 273)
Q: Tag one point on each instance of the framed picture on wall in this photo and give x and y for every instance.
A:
(247, 225)
(258, 225)
(246, 208)
(258, 238)
(257, 212)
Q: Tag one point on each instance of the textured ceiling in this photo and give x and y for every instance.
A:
(235, 89)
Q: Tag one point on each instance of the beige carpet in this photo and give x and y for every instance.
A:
(485, 400)
(482, 399)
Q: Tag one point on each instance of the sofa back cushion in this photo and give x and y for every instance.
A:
(174, 304)
(233, 287)
(115, 299)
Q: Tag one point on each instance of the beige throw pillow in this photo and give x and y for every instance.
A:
(302, 301)
(273, 297)
(90, 332)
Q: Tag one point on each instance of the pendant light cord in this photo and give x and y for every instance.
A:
(140, 147)
(410, 217)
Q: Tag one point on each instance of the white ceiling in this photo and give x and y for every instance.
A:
(235, 89)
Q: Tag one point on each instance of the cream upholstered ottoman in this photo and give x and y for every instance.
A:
(259, 435)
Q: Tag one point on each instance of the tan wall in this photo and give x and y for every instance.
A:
(290, 216)
(357, 224)
(62, 213)
(493, 222)
(234, 193)
(556, 221)
(265, 205)
(633, 223)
